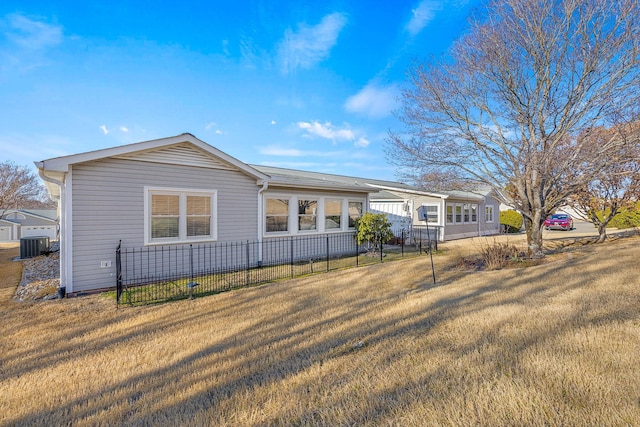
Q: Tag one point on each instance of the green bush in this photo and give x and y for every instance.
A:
(626, 218)
(373, 228)
(511, 220)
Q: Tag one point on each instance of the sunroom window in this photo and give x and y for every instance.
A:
(307, 214)
(277, 215)
(332, 214)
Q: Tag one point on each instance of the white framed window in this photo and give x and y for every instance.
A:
(332, 214)
(355, 212)
(488, 213)
(459, 214)
(474, 213)
(179, 215)
(432, 213)
(307, 214)
(450, 217)
(290, 214)
(277, 214)
(467, 212)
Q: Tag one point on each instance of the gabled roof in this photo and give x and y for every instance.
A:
(60, 165)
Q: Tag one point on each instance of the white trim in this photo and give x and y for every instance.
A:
(492, 214)
(182, 193)
(66, 232)
(63, 164)
(320, 213)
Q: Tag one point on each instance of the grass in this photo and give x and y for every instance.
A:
(554, 344)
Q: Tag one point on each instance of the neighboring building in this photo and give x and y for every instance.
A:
(180, 190)
(18, 223)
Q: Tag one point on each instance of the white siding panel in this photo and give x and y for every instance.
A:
(395, 211)
(5, 234)
(108, 206)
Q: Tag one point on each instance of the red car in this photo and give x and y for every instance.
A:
(559, 222)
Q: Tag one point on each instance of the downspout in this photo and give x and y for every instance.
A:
(265, 185)
(62, 224)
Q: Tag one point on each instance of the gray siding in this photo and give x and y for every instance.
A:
(108, 206)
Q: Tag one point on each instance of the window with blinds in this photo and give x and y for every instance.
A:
(180, 216)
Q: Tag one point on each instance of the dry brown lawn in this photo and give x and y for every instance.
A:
(556, 345)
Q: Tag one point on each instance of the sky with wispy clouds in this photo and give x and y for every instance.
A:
(280, 83)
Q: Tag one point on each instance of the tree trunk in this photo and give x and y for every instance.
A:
(534, 237)
(602, 232)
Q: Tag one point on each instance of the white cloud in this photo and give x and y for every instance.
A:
(219, 132)
(327, 130)
(104, 129)
(273, 122)
(124, 129)
(373, 101)
(309, 45)
(423, 15)
(210, 125)
(32, 34)
(362, 142)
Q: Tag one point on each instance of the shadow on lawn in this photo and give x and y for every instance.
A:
(309, 326)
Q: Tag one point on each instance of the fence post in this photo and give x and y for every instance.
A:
(248, 274)
(402, 242)
(291, 256)
(327, 252)
(357, 251)
(381, 249)
(118, 273)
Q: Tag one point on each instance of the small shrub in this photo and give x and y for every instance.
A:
(511, 220)
(373, 229)
(499, 255)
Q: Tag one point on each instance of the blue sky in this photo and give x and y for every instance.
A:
(291, 84)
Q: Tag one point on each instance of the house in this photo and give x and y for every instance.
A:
(181, 191)
(18, 223)
(453, 214)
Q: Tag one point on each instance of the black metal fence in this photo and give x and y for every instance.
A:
(163, 273)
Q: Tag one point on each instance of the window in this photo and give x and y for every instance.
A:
(179, 215)
(474, 213)
(298, 214)
(332, 214)
(467, 212)
(307, 211)
(277, 215)
(355, 212)
(165, 216)
(431, 212)
(449, 214)
(488, 213)
(458, 214)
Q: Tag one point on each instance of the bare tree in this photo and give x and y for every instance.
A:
(439, 181)
(614, 187)
(508, 104)
(19, 187)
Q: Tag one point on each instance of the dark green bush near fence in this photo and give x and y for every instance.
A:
(511, 221)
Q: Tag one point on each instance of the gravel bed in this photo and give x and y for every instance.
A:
(40, 277)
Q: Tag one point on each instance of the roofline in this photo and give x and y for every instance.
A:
(405, 190)
(61, 164)
(31, 214)
(320, 186)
